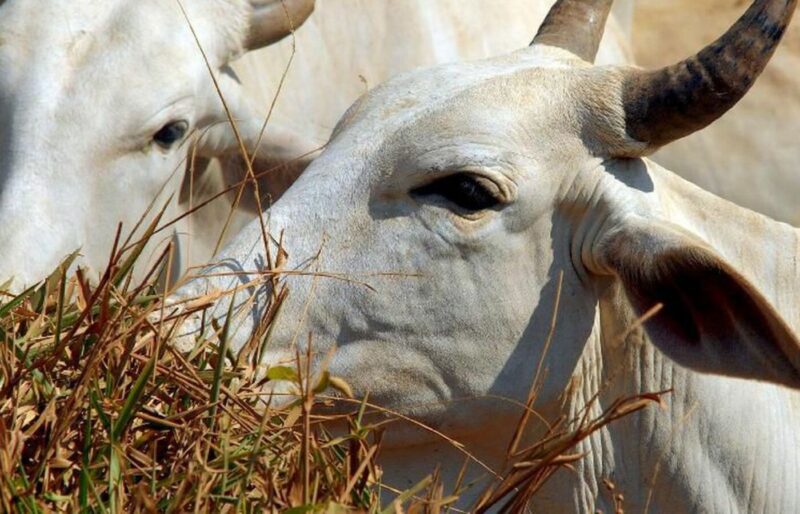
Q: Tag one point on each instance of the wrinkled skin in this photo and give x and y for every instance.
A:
(84, 96)
(461, 321)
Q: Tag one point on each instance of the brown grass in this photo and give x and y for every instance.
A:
(99, 413)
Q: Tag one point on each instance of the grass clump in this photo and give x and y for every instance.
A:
(98, 413)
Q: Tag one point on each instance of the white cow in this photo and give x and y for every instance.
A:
(478, 185)
(97, 99)
(325, 77)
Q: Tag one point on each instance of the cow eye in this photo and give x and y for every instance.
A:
(461, 189)
(171, 133)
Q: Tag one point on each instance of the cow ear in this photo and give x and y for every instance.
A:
(272, 20)
(713, 319)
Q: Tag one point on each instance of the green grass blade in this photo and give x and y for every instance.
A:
(114, 476)
(85, 477)
(129, 408)
(15, 302)
(216, 384)
(104, 419)
(408, 494)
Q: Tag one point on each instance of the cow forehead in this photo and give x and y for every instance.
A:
(44, 33)
(406, 96)
(114, 64)
(469, 103)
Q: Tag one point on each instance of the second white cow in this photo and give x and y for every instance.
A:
(97, 102)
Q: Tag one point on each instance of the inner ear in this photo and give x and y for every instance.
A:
(712, 318)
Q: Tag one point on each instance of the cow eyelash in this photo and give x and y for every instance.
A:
(463, 190)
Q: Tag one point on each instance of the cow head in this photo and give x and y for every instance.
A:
(97, 103)
(471, 196)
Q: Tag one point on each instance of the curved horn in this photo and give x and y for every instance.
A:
(272, 20)
(673, 102)
(576, 26)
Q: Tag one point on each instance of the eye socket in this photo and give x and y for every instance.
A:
(461, 189)
(171, 133)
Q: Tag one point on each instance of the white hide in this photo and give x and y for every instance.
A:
(348, 46)
(461, 302)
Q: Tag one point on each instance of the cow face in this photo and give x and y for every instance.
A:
(98, 101)
(441, 217)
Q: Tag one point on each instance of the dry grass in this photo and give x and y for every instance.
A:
(98, 413)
